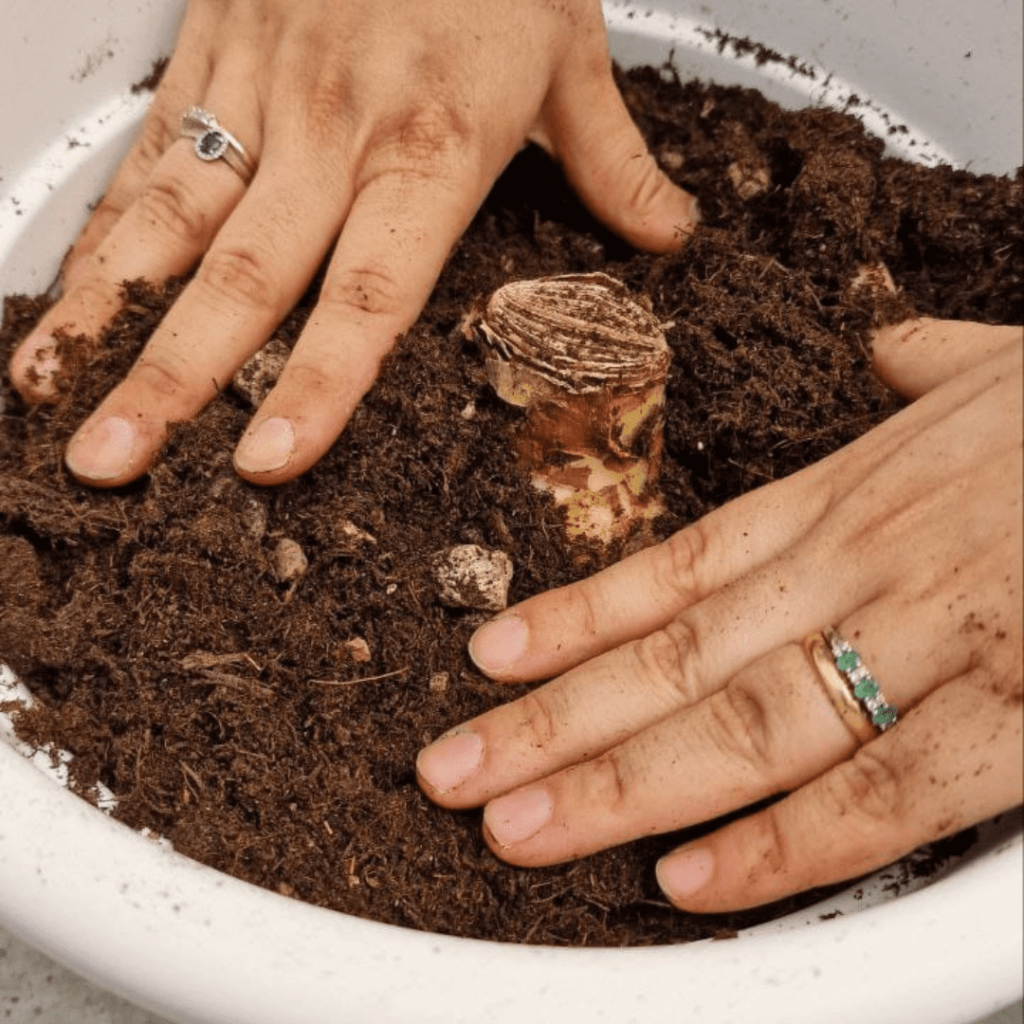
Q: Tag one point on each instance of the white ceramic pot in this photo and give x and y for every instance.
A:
(197, 946)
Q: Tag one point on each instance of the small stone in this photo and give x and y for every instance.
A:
(749, 180)
(874, 277)
(470, 576)
(289, 561)
(254, 518)
(260, 373)
(439, 682)
(671, 159)
(358, 650)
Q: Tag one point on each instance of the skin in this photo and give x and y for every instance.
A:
(682, 691)
(378, 128)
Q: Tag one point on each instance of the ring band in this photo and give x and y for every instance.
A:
(215, 143)
(854, 693)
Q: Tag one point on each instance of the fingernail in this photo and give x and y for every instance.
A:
(451, 760)
(267, 447)
(498, 644)
(684, 873)
(102, 451)
(515, 818)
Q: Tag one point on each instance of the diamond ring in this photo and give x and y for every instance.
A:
(212, 142)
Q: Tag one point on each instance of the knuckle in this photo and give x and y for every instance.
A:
(866, 785)
(432, 132)
(609, 783)
(241, 277)
(328, 87)
(738, 727)
(585, 613)
(648, 185)
(539, 720)
(770, 853)
(666, 657)
(680, 572)
(428, 141)
(109, 210)
(159, 376)
(91, 301)
(327, 108)
(362, 290)
(171, 208)
(151, 144)
(317, 382)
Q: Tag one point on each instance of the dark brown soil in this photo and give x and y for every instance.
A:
(225, 709)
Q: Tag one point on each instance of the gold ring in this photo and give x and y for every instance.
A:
(836, 687)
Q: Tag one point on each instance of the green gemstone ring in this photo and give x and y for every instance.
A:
(860, 682)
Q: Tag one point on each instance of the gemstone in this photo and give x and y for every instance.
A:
(211, 144)
(847, 661)
(866, 689)
(884, 716)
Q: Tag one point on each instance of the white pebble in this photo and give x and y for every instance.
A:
(470, 576)
(257, 377)
(289, 560)
(358, 650)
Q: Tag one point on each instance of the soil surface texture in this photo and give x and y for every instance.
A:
(266, 719)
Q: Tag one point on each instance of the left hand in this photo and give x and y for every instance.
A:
(686, 693)
(376, 130)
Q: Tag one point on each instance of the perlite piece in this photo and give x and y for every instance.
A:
(469, 576)
(588, 363)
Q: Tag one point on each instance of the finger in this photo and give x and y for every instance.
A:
(256, 269)
(585, 125)
(187, 80)
(916, 356)
(605, 158)
(161, 235)
(545, 635)
(394, 243)
(184, 81)
(952, 762)
(595, 707)
(655, 727)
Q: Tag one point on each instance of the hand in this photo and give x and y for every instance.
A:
(378, 128)
(685, 693)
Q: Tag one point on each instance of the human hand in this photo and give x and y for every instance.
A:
(377, 129)
(684, 692)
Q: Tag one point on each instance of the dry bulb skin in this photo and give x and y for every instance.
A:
(588, 363)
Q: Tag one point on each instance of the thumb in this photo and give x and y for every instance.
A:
(586, 127)
(916, 356)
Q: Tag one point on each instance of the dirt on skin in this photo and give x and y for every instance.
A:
(268, 727)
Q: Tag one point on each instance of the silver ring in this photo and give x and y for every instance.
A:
(214, 143)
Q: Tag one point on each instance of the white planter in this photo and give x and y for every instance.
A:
(197, 946)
